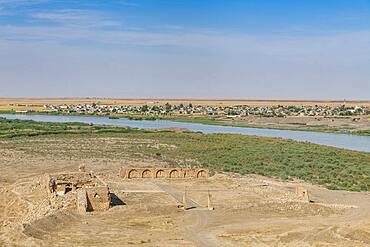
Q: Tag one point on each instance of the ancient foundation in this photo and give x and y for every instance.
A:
(92, 194)
(162, 173)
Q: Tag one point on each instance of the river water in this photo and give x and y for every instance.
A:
(346, 141)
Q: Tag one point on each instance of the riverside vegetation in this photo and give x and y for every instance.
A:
(343, 128)
(274, 157)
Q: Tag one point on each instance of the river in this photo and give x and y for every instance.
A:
(346, 141)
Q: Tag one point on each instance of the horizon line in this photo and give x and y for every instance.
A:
(190, 99)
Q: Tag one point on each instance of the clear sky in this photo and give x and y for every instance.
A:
(311, 49)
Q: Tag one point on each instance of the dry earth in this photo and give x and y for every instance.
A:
(345, 123)
(249, 210)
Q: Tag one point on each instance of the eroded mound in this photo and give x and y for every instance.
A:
(50, 224)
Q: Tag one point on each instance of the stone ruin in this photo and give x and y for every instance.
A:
(302, 193)
(162, 173)
(92, 194)
(89, 193)
(93, 199)
(185, 205)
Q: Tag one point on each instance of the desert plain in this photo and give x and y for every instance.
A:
(249, 210)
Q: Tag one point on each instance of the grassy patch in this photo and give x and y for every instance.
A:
(273, 157)
(16, 128)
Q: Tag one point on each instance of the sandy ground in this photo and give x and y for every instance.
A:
(249, 210)
(296, 122)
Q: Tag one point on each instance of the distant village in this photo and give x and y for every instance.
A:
(228, 111)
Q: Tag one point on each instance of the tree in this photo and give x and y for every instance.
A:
(168, 107)
(145, 108)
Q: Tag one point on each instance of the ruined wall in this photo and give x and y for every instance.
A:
(62, 183)
(98, 198)
(92, 194)
(81, 201)
(302, 193)
(158, 173)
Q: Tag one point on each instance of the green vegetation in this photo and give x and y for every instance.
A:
(332, 167)
(363, 132)
(335, 168)
(16, 128)
(141, 117)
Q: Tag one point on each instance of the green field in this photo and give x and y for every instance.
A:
(335, 168)
(17, 128)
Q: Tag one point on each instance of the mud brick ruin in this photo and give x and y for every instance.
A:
(92, 194)
(93, 199)
(302, 193)
(165, 173)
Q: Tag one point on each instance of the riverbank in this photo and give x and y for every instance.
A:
(323, 129)
(263, 123)
(351, 142)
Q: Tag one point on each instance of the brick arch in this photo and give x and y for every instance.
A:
(160, 174)
(133, 174)
(201, 174)
(174, 174)
(146, 174)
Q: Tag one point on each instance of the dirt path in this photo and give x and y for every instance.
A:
(197, 232)
(175, 193)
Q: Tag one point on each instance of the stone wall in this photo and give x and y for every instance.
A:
(161, 173)
(81, 201)
(92, 194)
(62, 183)
(302, 193)
(98, 198)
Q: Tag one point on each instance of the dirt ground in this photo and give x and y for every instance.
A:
(296, 122)
(249, 210)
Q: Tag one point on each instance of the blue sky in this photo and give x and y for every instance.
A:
(185, 48)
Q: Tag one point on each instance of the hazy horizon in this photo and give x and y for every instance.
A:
(189, 99)
(205, 49)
